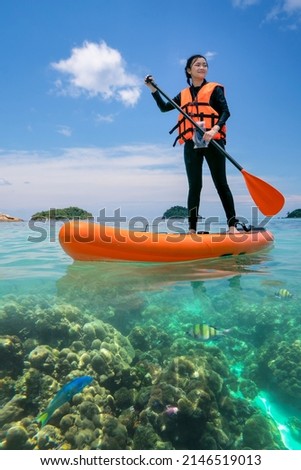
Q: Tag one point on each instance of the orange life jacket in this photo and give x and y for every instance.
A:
(198, 110)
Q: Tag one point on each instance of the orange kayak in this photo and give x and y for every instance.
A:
(87, 241)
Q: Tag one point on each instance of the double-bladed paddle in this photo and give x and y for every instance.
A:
(267, 198)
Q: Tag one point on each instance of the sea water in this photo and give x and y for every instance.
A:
(237, 293)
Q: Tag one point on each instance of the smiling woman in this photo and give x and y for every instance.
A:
(203, 103)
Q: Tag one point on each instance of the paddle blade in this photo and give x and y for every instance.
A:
(267, 198)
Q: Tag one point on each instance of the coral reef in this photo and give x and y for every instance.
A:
(152, 389)
(278, 368)
(261, 433)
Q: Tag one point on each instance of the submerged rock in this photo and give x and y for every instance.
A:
(12, 410)
(260, 432)
(11, 355)
(16, 438)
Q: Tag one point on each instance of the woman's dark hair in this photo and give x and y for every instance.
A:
(189, 63)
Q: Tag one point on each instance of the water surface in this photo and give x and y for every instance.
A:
(236, 293)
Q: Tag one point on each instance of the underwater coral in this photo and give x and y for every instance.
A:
(152, 388)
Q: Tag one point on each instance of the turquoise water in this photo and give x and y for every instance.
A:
(47, 299)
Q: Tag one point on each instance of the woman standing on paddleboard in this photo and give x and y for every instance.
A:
(205, 102)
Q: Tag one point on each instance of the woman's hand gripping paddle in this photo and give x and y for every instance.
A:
(267, 198)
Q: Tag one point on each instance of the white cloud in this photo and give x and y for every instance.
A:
(4, 182)
(282, 10)
(210, 55)
(244, 3)
(292, 6)
(104, 118)
(293, 199)
(92, 178)
(95, 69)
(140, 180)
(287, 12)
(64, 130)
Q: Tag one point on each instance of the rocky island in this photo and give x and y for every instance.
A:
(9, 218)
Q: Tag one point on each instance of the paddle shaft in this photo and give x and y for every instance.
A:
(171, 101)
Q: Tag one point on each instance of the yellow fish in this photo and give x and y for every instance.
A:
(205, 332)
(283, 294)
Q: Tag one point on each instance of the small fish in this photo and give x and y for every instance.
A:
(205, 332)
(63, 395)
(283, 294)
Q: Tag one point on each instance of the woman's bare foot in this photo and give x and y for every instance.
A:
(233, 230)
(191, 231)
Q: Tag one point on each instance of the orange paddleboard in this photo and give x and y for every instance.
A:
(87, 241)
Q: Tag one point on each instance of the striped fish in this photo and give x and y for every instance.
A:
(283, 294)
(205, 332)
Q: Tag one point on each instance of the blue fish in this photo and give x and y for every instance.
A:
(65, 394)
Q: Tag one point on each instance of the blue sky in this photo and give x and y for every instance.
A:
(78, 126)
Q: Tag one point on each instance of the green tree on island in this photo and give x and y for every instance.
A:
(295, 214)
(176, 212)
(62, 214)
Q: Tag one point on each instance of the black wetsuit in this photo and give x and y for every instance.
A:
(194, 159)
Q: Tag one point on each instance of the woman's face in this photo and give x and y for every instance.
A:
(198, 70)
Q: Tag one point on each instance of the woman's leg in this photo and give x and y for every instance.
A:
(217, 165)
(193, 163)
